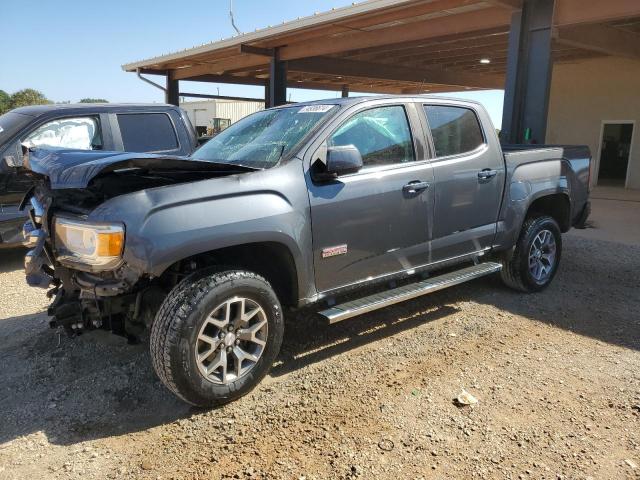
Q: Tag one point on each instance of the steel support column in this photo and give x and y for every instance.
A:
(172, 92)
(267, 101)
(528, 80)
(277, 81)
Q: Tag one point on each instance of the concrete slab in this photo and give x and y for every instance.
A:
(615, 216)
(616, 193)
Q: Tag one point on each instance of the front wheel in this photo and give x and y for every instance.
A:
(533, 263)
(216, 336)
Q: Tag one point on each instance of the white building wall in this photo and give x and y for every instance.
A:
(201, 112)
(585, 94)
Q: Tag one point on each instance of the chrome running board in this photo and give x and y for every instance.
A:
(367, 304)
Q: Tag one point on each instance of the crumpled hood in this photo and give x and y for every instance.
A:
(68, 168)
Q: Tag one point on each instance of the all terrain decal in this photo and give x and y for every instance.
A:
(333, 251)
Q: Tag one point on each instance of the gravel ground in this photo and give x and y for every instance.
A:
(557, 376)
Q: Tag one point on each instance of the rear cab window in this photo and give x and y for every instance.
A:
(147, 132)
(454, 130)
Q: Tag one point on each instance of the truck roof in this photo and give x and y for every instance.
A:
(37, 110)
(366, 98)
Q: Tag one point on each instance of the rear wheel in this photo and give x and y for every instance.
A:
(531, 266)
(216, 336)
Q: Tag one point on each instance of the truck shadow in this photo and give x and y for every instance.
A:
(88, 388)
(11, 259)
(310, 339)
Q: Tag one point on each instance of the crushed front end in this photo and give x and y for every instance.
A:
(80, 263)
(79, 253)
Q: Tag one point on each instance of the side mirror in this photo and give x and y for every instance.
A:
(13, 156)
(339, 161)
(343, 160)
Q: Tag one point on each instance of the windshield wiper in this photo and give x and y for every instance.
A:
(225, 165)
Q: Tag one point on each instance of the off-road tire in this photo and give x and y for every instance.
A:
(515, 263)
(176, 325)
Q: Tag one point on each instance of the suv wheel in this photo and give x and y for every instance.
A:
(216, 336)
(533, 263)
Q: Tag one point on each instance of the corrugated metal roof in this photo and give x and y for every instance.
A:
(266, 33)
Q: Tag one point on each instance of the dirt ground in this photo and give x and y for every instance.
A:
(557, 376)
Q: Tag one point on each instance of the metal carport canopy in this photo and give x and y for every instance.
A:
(396, 46)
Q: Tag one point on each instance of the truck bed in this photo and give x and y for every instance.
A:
(568, 152)
(531, 167)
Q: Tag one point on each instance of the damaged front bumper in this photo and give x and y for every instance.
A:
(83, 300)
(38, 259)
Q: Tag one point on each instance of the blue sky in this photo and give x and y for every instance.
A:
(74, 49)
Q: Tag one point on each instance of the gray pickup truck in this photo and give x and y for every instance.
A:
(339, 207)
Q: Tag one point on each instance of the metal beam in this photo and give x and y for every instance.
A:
(512, 4)
(381, 71)
(220, 66)
(231, 79)
(526, 99)
(265, 52)
(221, 97)
(574, 12)
(601, 38)
(277, 80)
(172, 90)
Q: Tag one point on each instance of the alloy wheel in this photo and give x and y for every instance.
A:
(542, 256)
(231, 340)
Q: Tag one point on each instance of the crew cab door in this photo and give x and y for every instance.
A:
(372, 223)
(469, 175)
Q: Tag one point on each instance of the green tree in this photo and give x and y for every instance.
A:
(28, 96)
(94, 100)
(5, 102)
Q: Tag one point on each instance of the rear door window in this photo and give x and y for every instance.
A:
(147, 132)
(455, 130)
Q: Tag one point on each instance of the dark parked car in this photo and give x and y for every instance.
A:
(340, 207)
(105, 127)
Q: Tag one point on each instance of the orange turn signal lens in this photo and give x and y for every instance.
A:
(110, 244)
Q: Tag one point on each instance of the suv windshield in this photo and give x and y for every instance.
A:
(262, 139)
(11, 123)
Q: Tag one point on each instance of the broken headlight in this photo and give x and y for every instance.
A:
(95, 246)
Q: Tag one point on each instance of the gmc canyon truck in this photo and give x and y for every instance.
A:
(85, 126)
(339, 207)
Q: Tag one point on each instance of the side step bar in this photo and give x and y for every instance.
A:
(353, 308)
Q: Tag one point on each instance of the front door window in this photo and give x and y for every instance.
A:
(382, 135)
(81, 133)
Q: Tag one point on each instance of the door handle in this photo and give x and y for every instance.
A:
(487, 173)
(415, 186)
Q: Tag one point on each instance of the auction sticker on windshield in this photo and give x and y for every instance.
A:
(315, 109)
